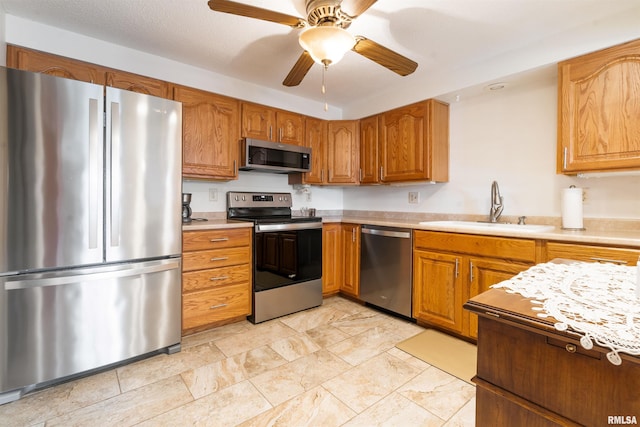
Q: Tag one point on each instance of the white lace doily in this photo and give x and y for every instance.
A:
(596, 300)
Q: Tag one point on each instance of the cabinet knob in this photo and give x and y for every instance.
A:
(571, 348)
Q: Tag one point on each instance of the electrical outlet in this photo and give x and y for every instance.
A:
(307, 196)
(213, 194)
(414, 197)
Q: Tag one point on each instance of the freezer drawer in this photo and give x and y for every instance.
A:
(53, 325)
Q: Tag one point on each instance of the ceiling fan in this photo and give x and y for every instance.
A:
(324, 37)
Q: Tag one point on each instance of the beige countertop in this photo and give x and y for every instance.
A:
(605, 232)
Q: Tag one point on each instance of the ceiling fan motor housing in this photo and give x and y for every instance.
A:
(326, 12)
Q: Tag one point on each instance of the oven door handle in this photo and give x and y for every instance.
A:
(262, 228)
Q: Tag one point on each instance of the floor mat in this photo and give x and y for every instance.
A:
(443, 351)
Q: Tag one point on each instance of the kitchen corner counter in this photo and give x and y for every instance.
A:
(605, 233)
(215, 224)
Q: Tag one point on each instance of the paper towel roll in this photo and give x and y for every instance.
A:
(572, 208)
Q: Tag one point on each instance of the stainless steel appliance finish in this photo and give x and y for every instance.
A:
(287, 271)
(274, 157)
(386, 268)
(90, 228)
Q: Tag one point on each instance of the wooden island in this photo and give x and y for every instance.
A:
(530, 374)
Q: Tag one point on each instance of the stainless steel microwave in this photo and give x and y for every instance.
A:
(275, 157)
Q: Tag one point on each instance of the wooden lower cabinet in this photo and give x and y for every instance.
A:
(341, 259)
(449, 268)
(216, 278)
(592, 253)
(331, 259)
(530, 374)
(350, 237)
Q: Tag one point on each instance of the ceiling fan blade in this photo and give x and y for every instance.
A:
(255, 12)
(384, 56)
(355, 8)
(299, 70)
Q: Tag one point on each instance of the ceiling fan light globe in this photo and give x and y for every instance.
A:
(326, 45)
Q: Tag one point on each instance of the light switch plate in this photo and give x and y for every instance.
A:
(414, 197)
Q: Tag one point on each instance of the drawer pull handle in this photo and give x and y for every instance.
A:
(614, 261)
(571, 348)
(221, 258)
(213, 279)
(221, 239)
(213, 307)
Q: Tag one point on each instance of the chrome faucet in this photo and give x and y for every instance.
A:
(496, 203)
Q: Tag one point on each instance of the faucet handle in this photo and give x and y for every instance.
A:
(521, 220)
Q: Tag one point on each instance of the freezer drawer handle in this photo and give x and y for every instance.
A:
(221, 258)
(213, 307)
(221, 239)
(213, 279)
(89, 275)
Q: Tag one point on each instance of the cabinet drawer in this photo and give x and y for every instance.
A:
(215, 258)
(202, 308)
(215, 277)
(497, 247)
(592, 253)
(214, 239)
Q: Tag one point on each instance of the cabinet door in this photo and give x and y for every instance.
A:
(315, 131)
(485, 272)
(369, 169)
(258, 122)
(290, 128)
(331, 258)
(137, 83)
(60, 66)
(439, 289)
(414, 142)
(351, 256)
(342, 152)
(403, 143)
(210, 134)
(598, 110)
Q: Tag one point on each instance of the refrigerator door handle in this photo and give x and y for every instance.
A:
(95, 169)
(91, 274)
(114, 209)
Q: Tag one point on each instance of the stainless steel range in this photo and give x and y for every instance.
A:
(287, 254)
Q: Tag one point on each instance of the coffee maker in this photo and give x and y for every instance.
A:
(186, 208)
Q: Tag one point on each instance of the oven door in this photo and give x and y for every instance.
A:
(287, 253)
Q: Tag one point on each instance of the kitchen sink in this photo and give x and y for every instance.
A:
(496, 226)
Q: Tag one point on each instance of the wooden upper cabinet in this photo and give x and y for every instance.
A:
(369, 165)
(59, 66)
(269, 124)
(598, 110)
(136, 83)
(210, 134)
(290, 128)
(315, 138)
(257, 121)
(342, 152)
(414, 142)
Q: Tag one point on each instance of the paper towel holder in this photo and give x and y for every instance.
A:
(573, 228)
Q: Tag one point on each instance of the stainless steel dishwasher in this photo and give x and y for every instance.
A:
(386, 268)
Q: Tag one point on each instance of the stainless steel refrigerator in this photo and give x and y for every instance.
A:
(90, 228)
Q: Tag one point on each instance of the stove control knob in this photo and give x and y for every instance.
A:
(244, 198)
(236, 197)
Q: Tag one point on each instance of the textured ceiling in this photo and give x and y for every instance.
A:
(443, 36)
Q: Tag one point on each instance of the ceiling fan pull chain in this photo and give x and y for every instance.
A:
(324, 88)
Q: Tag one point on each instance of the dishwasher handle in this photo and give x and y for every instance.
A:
(402, 234)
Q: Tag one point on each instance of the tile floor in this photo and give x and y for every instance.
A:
(335, 365)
